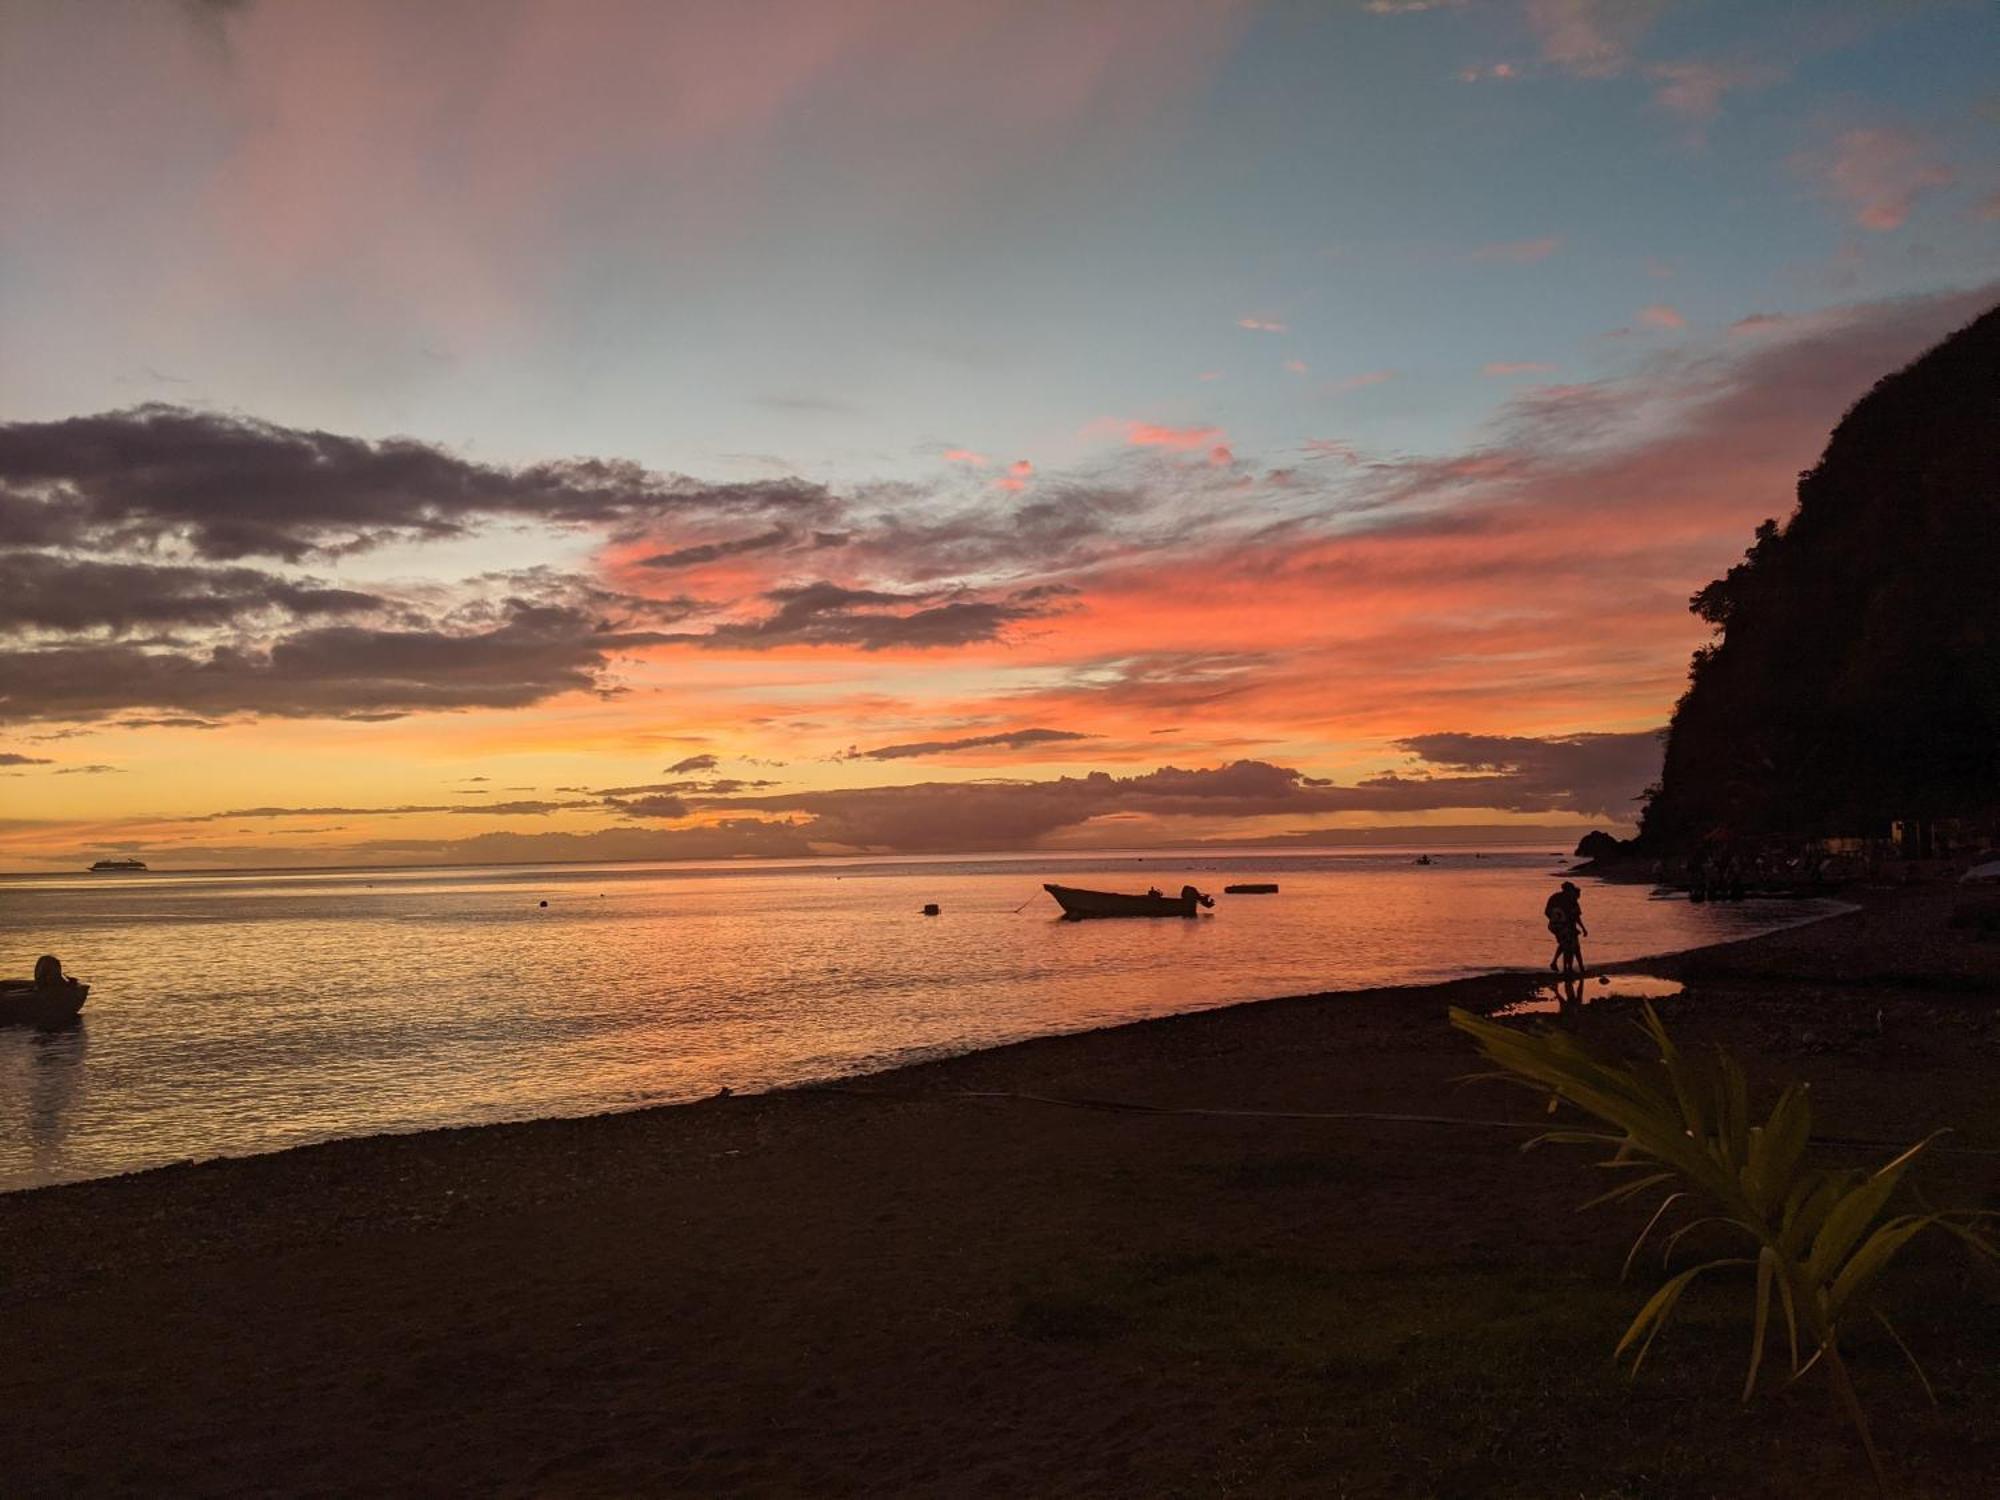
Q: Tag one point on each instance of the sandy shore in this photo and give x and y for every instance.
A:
(898, 1289)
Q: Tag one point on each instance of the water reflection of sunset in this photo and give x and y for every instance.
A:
(245, 1013)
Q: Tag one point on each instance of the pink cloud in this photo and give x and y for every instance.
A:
(1590, 38)
(1695, 89)
(1019, 473)
(1334, 448)
(1518, 252)
(1263, 325)
(1760, 323)
(1878, 174)
(1517, 367)
(1298, 367)
(1362, 381)
(435, 166)
(1480, 71)
(966, 456)
(1209, 375)
(1661, 316)
(1175, 439)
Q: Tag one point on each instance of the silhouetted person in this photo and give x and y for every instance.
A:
(48, 973)
(1564, 911)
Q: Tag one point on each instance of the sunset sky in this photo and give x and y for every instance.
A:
(575, 429)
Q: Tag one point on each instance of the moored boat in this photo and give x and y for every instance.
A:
(1253, 888)
(1079, 904)
(114, 866)
(25, 1003)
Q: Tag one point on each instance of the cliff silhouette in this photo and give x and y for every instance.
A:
(1854, 681)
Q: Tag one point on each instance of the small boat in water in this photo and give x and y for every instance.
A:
(25, 1003)
(1255, 888)
(1079, 904)
(106, 866)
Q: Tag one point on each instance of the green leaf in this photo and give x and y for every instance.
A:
(1767, 1264)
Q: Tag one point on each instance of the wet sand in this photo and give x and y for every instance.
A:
(894, 1288)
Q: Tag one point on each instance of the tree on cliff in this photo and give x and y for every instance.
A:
(1855, 676)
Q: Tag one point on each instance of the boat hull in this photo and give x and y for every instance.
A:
(39, 1005)
(1077, 905)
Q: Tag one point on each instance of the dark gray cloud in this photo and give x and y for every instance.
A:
(828, 614)
(43, 591)
(529, 809)
(338, 671)
(229, 487)
(1588, 775)
(708, 552)
(693, 763)
(1570, 775)
(166, 721)
(1012, 739)
(654, 806)
(90, 770)
(15, 758)
(1595, 773)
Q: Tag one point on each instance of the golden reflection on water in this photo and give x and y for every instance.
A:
(249, 1013)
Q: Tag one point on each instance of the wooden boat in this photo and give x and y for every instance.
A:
(25, 1003)
(1079, 904)
(1256, 888)
(117, 866)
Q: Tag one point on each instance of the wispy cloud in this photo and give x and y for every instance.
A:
(1877, 175)
(1590, 38)
(1517, 367)
(1263, 325)
(1010, 739)
(1159, 435)
(1518, 252)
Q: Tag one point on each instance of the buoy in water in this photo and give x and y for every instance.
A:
(545, 903)
(930, 908)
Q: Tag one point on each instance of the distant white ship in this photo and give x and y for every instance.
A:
(118, 864)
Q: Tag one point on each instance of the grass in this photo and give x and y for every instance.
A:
(1489, 1379)
(1818, 1239)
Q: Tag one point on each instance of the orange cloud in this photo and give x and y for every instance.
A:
(966, 456)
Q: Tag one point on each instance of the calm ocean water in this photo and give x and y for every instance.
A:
(248, 1012)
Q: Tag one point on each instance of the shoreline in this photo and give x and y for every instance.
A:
(1489, 990)
(922, 1282)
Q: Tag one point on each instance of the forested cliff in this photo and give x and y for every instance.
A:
(1855, 676)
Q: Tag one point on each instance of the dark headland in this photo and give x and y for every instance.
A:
(897, 1289)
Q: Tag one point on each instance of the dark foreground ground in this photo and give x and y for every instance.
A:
(904, 1292)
